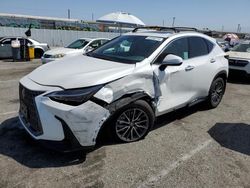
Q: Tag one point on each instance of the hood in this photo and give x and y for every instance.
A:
(79, 71)
(63, 50)
(239, 55)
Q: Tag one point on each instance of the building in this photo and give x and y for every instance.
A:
(38, 22)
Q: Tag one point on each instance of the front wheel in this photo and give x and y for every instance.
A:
(133, 122)
(216, 92)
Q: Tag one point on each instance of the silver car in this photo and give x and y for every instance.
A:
(6, 51)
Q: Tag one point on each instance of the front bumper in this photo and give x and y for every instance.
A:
(47, 60)
(240, 65)
(68, 144)
(57, 119)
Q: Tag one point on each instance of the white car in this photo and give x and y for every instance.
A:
(121, 88)
(239, 58)
(6, 50)
(80, 46)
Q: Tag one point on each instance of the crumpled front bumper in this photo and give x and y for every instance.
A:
(58, 120)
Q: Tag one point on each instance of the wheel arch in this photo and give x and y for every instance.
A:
(118, 104)
(129, 98)
(223, 74)
(39, 50)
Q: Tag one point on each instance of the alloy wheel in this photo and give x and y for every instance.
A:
(132, 125)
(217, 92)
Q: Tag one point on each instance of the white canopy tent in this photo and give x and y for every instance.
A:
(120, 19)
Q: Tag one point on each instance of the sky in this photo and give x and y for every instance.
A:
(213, 14)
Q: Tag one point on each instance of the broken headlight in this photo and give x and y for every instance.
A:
(74, 97)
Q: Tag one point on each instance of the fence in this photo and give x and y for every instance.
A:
(55, 37)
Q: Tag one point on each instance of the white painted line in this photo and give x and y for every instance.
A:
(153, 179)
(8, 113)
(6, 81)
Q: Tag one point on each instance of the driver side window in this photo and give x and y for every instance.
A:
(178, 47)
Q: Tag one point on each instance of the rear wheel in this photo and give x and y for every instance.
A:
(216, 92)
(133, 122)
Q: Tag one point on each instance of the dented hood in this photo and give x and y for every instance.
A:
(80, 71)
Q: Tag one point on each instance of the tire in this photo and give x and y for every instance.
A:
(132, 122)
(216, 92)
(38, 53)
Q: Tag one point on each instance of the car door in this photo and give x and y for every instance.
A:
(5, 48)
(175, 83)
(202, 63)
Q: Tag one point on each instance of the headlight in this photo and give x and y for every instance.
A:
(58, 56)
(74, 97)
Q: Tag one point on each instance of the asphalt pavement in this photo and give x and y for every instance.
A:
(192, 147)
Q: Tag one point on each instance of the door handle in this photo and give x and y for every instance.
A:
(212, 61)
(189, 68)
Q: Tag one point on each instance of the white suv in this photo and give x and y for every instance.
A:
(123, 85)
(78, 47)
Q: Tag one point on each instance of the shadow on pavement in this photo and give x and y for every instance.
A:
(178, 115)
(234, 136)
(238, 78)
(15, 143)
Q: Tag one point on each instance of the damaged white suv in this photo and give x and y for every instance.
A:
(123, 85)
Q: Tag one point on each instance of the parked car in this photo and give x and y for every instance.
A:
(239, 58)
(77, 47)
(6, 51)
(121, 86)
(224, 45)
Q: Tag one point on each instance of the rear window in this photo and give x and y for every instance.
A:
(210, 45)
(197, 47)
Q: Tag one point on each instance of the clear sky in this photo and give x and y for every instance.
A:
(213, 14)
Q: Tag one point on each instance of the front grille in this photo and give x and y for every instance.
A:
(238, 63)
(28, 110)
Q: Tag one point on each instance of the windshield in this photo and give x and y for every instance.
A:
(242, 48)
(128, 49)
(78, 44)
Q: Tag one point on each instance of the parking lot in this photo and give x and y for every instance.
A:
(192, 147)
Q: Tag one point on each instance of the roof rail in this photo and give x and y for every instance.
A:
(185, 29)
(159, 28)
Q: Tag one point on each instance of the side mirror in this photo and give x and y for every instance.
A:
(88, 49)
(171, 60)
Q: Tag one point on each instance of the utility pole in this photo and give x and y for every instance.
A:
(239, 28)
(163, 23)
(92, 16)
(173, 22)
(68, 13)
(222, 28)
